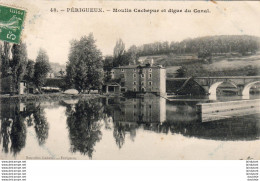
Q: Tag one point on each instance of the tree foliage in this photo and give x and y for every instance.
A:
(5, 59)
(119, 49)
(18, 63)
(85, 66)
(121, 56)
(181, 72)
(29, 73)
(41, 68)
(203, 45)
(13, 62)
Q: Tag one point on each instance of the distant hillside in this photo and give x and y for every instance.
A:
(242, 44)
(219, 65)
(207, 56)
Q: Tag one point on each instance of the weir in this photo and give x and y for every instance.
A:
(222, 110)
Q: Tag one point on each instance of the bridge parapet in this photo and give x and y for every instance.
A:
(237, 80)
(242, 83)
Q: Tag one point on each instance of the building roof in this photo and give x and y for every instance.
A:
(138, 66)
(112, 84)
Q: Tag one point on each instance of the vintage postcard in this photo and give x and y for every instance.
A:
(129, 80)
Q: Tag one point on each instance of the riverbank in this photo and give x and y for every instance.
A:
(48, 97)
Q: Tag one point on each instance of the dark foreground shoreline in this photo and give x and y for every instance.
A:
(47, 97)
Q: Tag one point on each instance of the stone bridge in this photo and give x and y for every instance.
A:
(242, 83)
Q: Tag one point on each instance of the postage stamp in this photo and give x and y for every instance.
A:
(11, 23)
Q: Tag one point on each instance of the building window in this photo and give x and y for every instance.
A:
(134, 82)
(122, 84)
(122, 70)
(150, 70)
(134, 75)
(150, 75)
(150, 83)
(142, 83)
(134, 89)
(142, 75)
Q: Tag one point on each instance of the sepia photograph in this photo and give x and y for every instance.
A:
(129, 80)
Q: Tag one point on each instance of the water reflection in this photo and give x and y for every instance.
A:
(13, 129)
(41, 125)
(14, 116)
(84, 124)
(87, 121)
(176, 117)
(233, 129)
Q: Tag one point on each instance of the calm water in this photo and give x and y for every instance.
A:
(120, 128)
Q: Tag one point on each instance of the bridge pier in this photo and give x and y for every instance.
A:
(240, 90)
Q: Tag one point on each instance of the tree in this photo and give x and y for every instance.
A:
(181, 72)
(85, 66)
(205, 54)
(5, 57)
(133, 51)
(71, 74)
(108, 65)
(29, 72)
(62, 72)
(18, 64)
(120, 57)
(41, 69)
(1, 50)
(119, 49)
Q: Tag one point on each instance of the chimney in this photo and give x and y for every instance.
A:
(151, 62)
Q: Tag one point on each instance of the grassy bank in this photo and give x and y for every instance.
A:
(224, 65)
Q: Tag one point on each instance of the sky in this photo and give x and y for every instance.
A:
(54, 31)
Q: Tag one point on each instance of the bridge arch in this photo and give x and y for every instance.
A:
(213, 87)
(246, 90)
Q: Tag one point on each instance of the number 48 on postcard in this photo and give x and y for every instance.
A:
(11, 22)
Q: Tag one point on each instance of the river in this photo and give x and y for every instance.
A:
(149, 127)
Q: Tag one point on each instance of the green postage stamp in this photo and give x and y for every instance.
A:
(11, 23)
